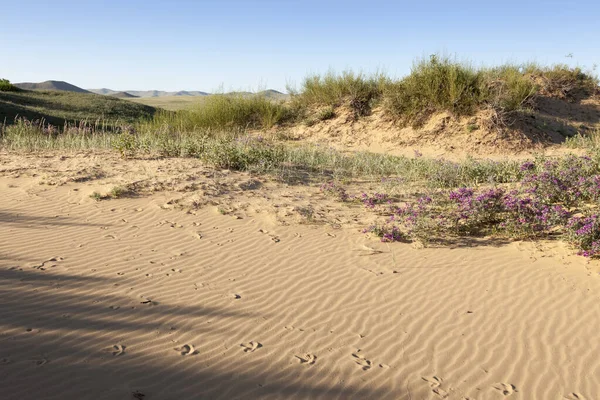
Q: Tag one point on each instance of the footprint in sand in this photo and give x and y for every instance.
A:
(116, 350)
(308, 359)
(43, 267)
(435, 384)
(575, 396)
(251, 346)
(40, 362)
(506, 388)
(149, 302)
(362, 361)
(186, 350)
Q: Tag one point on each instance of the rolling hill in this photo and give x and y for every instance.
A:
(150, 93)
(58, 107)
(123, 95)
(51, 85)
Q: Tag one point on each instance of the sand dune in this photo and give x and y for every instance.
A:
(131, 298)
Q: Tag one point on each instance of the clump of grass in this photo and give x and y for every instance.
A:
(563, 81)
(116, 192)
(589, 141)
(331, 89)
(227, 112)
(444, 84)
(435, 84)
(6, 86)
(97, 196)
(326, 113)
(506, 88)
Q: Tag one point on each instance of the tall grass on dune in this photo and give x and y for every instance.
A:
(224, 111)
(332, 89)
(443, 84)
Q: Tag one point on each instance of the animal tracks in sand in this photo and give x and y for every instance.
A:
(40, 362)
(43, 266)
(308, 359)
(362, 361)
(186, 350)
(506, 388)
(435, 384)
(115, 350)
(575, 396)
(251, 346)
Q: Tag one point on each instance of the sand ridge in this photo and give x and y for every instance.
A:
(137, 298)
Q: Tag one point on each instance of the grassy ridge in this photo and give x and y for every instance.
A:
(440, 83)
(59, 108)
(435, 84)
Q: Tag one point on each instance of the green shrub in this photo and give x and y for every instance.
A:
(6, 86)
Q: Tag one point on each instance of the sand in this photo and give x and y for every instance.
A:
(143, 298)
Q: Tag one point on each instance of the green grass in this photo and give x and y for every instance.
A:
(224, 111)
(59, 108)
(443, 84)
(331, 89)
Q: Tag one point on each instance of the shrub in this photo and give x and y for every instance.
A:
(570, 180)
(583, 232)
(6, 86)
(334, 190)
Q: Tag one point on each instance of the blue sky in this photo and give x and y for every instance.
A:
(242, 45)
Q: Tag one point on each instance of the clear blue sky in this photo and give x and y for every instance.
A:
(200, 45)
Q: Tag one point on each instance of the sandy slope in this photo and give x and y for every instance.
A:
(272, 311)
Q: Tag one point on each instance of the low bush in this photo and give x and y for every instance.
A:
(6, 86)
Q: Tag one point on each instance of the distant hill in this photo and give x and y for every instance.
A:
(123, 95)
(274, 94)
(51, 85)
(58, 107)
(150, 93)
